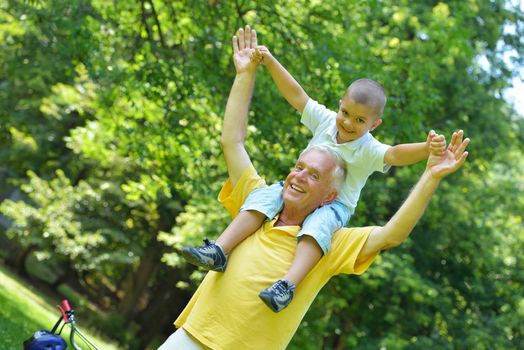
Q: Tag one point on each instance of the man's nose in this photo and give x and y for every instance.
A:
(301, 174)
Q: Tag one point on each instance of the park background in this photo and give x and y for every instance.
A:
(110, 117)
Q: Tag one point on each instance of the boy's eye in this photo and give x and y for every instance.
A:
(314, 176)
(298, 168)
(361, 121)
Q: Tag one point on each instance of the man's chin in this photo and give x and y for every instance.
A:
(292, 197)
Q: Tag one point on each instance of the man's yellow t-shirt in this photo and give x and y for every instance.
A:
(226, 313)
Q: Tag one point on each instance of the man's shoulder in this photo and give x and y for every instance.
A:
(232, 197)
(347, 243)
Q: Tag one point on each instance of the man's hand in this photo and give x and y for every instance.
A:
(244, 44)
(442, 164)
(435, 143)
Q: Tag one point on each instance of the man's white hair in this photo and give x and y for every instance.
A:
(338, 176)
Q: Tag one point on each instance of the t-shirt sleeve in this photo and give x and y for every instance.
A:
(347, 243)
(375, 152)
(315, 115)
(232, 198)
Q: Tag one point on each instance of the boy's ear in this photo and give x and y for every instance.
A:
(375, 124)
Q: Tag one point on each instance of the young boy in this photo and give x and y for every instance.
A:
(348, 132)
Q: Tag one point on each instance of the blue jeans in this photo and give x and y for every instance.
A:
(320, 224)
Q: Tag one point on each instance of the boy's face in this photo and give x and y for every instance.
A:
(354, 120)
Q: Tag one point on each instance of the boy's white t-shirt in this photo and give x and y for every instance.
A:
(363, 156)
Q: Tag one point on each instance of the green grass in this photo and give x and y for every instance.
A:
(24, 311)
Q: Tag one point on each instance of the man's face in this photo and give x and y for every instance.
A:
(308, 185)
(354, 120)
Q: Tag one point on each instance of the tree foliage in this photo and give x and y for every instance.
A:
(110, 121)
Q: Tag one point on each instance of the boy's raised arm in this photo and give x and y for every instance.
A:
(286, 84)
(236, 114)
(411, 153)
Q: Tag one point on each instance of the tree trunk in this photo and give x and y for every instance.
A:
(133, 291)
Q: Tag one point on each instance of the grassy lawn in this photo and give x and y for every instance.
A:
(25, 311)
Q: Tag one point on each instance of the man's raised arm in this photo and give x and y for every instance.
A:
(235, 117)
(398, 228)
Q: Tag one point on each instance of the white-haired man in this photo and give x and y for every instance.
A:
(225, 312)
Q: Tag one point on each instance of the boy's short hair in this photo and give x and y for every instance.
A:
(369, 93)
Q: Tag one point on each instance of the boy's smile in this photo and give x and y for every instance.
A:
(354, 120)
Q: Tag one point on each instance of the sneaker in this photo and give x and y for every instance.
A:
(210, 256)
(279, 295)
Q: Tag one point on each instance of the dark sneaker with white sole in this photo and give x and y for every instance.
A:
(279, 295)
(210, 256)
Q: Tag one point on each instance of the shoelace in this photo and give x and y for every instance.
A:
(280, 288)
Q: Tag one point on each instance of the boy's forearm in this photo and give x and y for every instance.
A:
(406, 154)
(287, 85)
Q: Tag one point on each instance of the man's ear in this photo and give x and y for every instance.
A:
(330, 197)
(375, 124)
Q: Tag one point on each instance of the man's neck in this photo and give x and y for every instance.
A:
(289, 218)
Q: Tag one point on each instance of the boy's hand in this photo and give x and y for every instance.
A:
(243, 47)
(449, 160)
(261, 55)
(436, 144)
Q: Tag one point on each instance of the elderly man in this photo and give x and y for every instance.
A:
(225, 311)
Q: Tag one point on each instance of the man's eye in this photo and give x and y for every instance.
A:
(361, 121)
(314, 176)
(298, 168)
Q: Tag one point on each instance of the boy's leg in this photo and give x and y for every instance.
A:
(307, 255)
(242, 226)
(213, 255)
(261, 203)
(314, 242)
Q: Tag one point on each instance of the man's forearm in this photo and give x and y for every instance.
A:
(287, 85)
(237, 109)
(407, 153)
(234, 126)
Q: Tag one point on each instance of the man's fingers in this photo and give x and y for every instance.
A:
(462, 147)
(461, 161)
(241, 41)
(247, 37)
(253, 38)
(453, 143)
(235, 44)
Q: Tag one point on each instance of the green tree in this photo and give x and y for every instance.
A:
(110, 122)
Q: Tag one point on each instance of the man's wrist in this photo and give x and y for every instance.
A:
(246, 75)
(430, 178)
